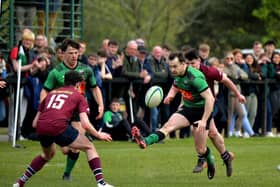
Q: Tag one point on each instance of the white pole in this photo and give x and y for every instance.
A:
(130, 90)
(17, 96)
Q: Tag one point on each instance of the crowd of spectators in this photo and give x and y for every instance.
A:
(125, 74)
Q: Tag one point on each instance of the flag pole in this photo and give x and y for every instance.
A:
(130, 90)
(21, 52)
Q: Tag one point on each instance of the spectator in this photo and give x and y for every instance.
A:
(39, 73)
(104, 72)
(166, 50)
(3, 68)
(27, 43)
(204, 51)
(3, 94)
(269, 48)
(130, 70)
(251, 90)
(105, 43)
(234, 72)
(114, 60)
(140, 42)
(101, 73)
(275, 88)
(161, 72)
(140, 89)
(58, 55)
(41, 42)
(3, 91)
(117, 125)
(267, 70)
(82, 57)
(247, 127)
(257, 49)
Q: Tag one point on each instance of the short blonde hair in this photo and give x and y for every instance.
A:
(28, 35)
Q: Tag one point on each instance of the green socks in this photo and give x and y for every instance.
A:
(209, 157)
(71, 161)
(154, 138)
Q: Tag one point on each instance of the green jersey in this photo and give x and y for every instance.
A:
(190, 85)
(112, 119)
(56, 76)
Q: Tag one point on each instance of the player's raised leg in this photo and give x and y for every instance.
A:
(176, 121)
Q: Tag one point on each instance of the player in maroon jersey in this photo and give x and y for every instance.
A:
(52, 125)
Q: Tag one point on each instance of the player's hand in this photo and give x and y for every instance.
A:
(167, 100)
(201, 125)
(100, 112)
(104, 136)
(241, 98)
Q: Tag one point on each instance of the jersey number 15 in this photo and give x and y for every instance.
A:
(57, 101)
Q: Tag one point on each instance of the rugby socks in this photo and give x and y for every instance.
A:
(70, 162)
(225, 156)
(154, 137)
(95, 166)
(201, 157)
(209, 157)
(36, 164)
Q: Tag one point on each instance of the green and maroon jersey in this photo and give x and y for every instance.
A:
(190, 85)
(57, 109)
(56, 76)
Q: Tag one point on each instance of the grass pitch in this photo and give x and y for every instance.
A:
(161, 165)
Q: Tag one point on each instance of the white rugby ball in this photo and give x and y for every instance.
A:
(153, 96)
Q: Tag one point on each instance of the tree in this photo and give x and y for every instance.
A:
(269, 13)
(223, 24)
(157, 22)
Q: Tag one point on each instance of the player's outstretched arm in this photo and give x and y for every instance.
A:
(99, 100)
(171, 94)
(90, 129)
(229, 84)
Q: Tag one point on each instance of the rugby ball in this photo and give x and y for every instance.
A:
(153, 96)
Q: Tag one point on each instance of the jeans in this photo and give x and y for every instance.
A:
(2, 110)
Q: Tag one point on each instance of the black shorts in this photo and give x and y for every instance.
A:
(63, 139)
(193, 115)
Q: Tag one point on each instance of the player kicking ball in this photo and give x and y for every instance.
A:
(51, 122)
(196, 110)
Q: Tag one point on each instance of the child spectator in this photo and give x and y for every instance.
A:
(117, 125)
